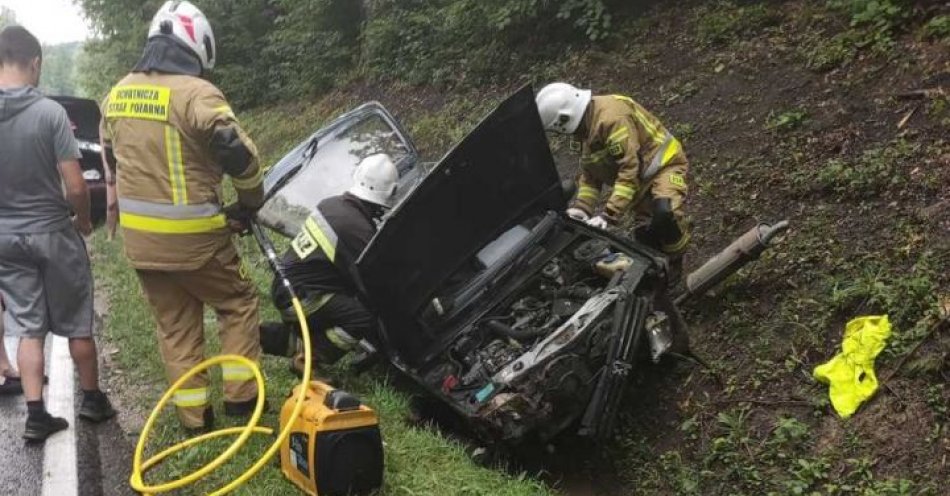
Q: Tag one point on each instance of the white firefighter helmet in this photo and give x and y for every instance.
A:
(562, 107)
(187, 24)
(375, 180)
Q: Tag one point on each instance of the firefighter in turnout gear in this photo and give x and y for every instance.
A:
(169, 138)
(321, 266)
(629, 150)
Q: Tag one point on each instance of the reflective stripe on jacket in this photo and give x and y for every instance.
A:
(628, 149)
(322, 258)
(160, 127)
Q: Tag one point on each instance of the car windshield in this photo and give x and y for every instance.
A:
(323, 166)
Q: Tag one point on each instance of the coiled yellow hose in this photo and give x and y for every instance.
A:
(139, 467)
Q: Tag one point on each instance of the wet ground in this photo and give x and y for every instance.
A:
(101, 465)
(21, 466)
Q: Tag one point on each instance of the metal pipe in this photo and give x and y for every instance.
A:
(743, 250)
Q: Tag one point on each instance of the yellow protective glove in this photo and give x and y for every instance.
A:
(851, 372)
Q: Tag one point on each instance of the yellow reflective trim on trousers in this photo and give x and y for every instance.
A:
(588, 192)
(172, 226)
(322, 238)
(185, 398)
(341, 339)
(251, 182)
(623, 191)
(236, 372)
(311, 305)
(677, 246)
(176, 171)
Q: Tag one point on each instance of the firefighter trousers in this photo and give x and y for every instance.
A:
(178, 299)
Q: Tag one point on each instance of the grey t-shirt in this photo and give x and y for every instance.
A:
(35, 135)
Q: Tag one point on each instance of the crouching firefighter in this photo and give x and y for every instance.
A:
(626, 148)
(321, 266)
(169, 137)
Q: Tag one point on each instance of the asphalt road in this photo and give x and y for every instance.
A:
(101, 465)
(21, 465)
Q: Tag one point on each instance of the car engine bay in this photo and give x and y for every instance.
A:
(557, 323)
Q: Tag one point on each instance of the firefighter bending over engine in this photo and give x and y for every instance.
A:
(628, 149)
(321, 266)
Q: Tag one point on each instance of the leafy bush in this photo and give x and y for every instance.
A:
(878, 20)
(723, 21)
(909, 298)
(474, 40)
(273, 50)
(938, 28)
(873, 172)
(786, 121)
(826, 53)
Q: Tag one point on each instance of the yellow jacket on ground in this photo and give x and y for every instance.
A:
(850, 374)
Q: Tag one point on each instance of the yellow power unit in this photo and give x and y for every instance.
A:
(334, 447)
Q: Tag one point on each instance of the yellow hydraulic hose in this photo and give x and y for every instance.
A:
(139, 467)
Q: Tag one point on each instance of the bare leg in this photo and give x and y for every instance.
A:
(6, 368)
(31, 360)
(83, 351)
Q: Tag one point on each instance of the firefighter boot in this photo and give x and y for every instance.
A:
(96, 407)
(206, 426)
(242, 409)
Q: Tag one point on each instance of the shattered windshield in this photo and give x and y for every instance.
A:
(323, 166)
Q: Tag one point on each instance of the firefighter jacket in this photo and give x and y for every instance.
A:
(174, 137)
(322, 258)
(627, 148)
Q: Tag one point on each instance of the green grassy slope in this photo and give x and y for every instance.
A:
(786, 110)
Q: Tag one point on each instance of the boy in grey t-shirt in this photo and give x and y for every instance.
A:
(45, 279)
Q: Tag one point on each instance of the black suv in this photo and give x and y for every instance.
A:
(84, 117)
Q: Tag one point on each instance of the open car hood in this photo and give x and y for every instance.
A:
(322, 165)
(83, 115)
(500, 174)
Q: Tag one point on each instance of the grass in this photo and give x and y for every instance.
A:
(786, 121)
(419, 460)
(854, 249)
(723, 22)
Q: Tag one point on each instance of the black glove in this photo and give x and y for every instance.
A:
(239, 218)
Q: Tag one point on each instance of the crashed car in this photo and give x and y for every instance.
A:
(84, 117)
(522, 320)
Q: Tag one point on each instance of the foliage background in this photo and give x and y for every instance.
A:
(278, 50)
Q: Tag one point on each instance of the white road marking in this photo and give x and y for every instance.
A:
(60, 470)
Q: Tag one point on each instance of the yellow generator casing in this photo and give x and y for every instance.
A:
(334, 447)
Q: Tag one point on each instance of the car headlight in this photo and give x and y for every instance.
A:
(88, 146)
(92, 175)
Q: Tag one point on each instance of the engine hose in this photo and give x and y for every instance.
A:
(140, 466)
(506, 331)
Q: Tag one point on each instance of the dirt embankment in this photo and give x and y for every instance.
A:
(786, 111)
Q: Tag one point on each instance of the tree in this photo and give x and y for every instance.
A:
(7, 17)
(59, 69)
